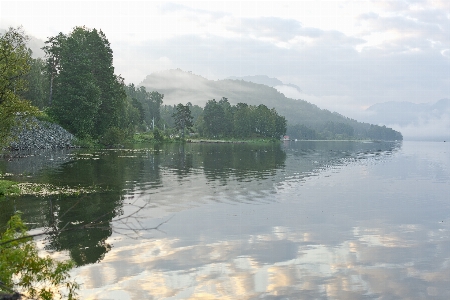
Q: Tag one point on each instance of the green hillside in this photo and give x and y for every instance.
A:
(305, 120)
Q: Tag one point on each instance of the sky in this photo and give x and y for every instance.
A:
(344, 55)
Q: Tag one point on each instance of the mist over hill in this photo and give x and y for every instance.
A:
(266, 80)
(424, 121)
(182, 87)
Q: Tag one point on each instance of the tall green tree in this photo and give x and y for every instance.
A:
(88, 99)
(112, 93)
(76, 98)
(53, 47)
(242, 123)
(228, 110)
(183, 118)
(213, 118)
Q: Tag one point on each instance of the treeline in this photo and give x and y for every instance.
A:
(220, 119)
(342, 131)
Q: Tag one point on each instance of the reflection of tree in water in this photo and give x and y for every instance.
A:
(242, 161)
(149, 168)
(110, 173)
(7, 209)
(85, 245)
(334, 152)
(181, 161)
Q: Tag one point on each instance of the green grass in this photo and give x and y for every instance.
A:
(8, 188)
(149, 137)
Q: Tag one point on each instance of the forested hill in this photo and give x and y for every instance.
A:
(305, 120)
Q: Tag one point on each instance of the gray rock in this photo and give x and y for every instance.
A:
(36, 134)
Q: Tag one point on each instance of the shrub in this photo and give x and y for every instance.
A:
(21, 268)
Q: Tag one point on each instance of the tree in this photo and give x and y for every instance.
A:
(88, 98)
(243, 124)
(167, 112)
(213, 118)
(138, 105)
(280, 124)
(301, 131)
(154, 105)
(150, 103)
(183, 118)
(243, 120)
(52, 51)
(76, 96)
(14, 63)
(21, 267)
(37, 84)
(227, 123)
(14, 66)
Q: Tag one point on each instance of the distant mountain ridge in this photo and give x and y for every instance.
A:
(183, 87)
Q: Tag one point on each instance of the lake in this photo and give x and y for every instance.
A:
(296, 220)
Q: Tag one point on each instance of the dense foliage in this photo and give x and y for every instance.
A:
(147, 103)
(37, 84)
(183, 118)
(15, 61)
(168, 111)
(221, 119)
(22, 268)
(86, 97)
(8, 187)
(341, 131)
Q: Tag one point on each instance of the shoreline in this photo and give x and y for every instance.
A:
(215, 142)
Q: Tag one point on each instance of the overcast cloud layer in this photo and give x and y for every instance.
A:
(344, 55)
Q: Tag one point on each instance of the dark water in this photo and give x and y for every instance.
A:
(300, 220)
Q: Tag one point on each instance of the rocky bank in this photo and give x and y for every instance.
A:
(36, 134)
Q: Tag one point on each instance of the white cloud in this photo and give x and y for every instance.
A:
(446, 53)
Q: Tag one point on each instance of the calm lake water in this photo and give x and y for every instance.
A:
(299, 220)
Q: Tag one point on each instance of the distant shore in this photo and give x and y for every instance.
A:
(216, 141)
